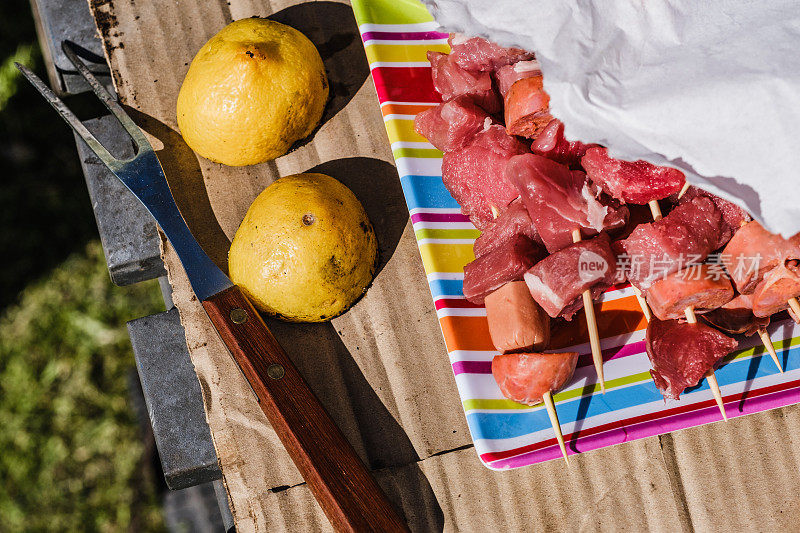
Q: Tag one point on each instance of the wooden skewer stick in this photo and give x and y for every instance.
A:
(710, 376)
(642, 303)
(793, 303)
(712, 383)
(591, 325)
(762, 332)
(547, 397)
(655, 209)
(495, 211)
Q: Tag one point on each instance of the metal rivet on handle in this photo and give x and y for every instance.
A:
(238, 315)
(275, 371)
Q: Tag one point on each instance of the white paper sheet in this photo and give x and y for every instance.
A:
(709, 87)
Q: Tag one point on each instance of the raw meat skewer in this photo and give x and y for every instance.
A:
(692, 319)
(527, 301)
(591, 325)
(518, 324)
(655, 209)
(710, 376)
(762, 331)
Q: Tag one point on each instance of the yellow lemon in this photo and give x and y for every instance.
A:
(252, 90)
(305, 251)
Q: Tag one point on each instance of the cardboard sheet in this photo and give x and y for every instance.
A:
(382, 369)
(366, 366)
(694, 480)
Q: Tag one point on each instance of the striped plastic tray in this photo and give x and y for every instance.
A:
(396, 35)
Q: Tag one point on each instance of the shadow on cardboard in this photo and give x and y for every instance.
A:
(377, 186)
(331, 26)
(380, 441)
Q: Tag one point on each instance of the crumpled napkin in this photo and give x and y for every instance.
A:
(709, 87)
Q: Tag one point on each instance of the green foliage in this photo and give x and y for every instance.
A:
(71, 453)
(44, 207)
(9, 75)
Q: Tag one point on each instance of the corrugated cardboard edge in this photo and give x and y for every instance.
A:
(740, 476)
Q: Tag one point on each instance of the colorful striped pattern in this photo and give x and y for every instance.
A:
(396, 35)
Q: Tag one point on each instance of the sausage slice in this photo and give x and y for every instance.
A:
(699, 287)
(527, 107)
(516, 322)
(526, 377)
(778, 286)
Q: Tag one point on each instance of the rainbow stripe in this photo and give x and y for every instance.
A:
(397, 34)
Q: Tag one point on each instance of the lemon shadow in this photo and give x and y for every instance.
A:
(377, 186)
(332, 27)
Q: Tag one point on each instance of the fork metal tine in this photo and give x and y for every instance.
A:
(108, 100)
(145, 178)
(69, 116)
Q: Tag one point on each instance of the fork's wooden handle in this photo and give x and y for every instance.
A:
(344, 488)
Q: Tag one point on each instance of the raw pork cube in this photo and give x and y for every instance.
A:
(453, 124)
(733, 216)
(505, 263)
(560, 200)
(514, 220)
(552, 144)
(475, 53)
(558, 281)
(633, 182)
(685, 236)
(475, 174)
(682, 353)
(450, 81)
